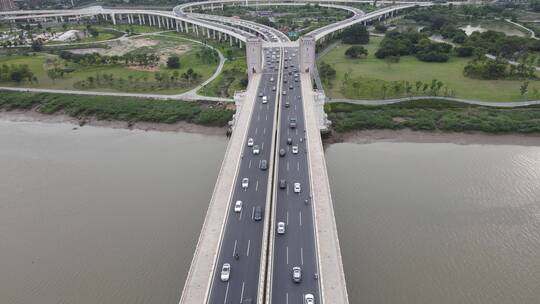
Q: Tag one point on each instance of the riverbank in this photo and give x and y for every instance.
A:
(32, 116)
(128, 110)
(412, 136)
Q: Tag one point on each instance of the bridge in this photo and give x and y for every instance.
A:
(271, 212)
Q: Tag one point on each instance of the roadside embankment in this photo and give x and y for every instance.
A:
(114, 111)
(434, 115)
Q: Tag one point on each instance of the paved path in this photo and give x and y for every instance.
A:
(510, 104)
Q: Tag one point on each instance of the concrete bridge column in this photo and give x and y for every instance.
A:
(307, 53)
(140, 19)
(253, 55)
(159, 21)
(230, 40)
(196, 29)
(113, 19)
(208, 33)
(214, 32)
(181, 26)
(177, 26)
(219, 36)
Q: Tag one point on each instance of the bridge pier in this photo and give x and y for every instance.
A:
(307, 53)
(254, 56)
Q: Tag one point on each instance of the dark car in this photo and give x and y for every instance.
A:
(263, 165)
(258, 213)
(282, 152)
(282, 184)
(292, 122)
(289, 141)
(287, 104)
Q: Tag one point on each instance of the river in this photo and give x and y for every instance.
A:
(98, 215)
(438, 223)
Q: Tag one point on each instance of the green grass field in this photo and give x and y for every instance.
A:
(372, 70)
(228, 81)
(188, 60)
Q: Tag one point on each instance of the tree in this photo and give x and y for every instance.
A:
(356, 34)
(524, 88)
(391, 60)
(173, 62)
(37, 45)
(229, 54)
(355, 51)
(380, 28)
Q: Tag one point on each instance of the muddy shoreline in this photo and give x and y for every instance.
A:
(357, 137)
(182, 126)
(407, 135)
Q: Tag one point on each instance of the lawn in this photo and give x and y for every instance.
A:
(133, 80)
(374, 72)
(229, 81)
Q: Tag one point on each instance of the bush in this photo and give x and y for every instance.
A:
(173, 62)
(355, 51)
(464, 51)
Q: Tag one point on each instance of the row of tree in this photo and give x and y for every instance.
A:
(142, 59)
(396, 43)
(16, 73)
(487, 68)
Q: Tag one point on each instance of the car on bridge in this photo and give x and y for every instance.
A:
(225, 272)
(250, 142)
(263, 165)
(238, 206)
(309, 299)
(297, 188)
(292, 122)
(295, 149)
(297, 274)
(256, 150)
(281, 228)
(257, 215)
(245, 182)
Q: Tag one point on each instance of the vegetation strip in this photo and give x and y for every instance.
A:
(430, 115)
(116, 108)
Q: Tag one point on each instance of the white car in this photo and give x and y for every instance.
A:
(226, 272)
(250, 142)
(295, 149)
(309, 299)
(297, 188)
(281, 228)
(238, 206)
(245, 182)
(297, 274)
(256, 150)
(264, 99)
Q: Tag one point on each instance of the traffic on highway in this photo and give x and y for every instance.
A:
(237, 273)
(294, 261)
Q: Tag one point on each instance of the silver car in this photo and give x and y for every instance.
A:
(297, 274)
(281, 228)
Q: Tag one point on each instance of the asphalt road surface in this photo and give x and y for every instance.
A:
(297, 246)
(243, 235)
